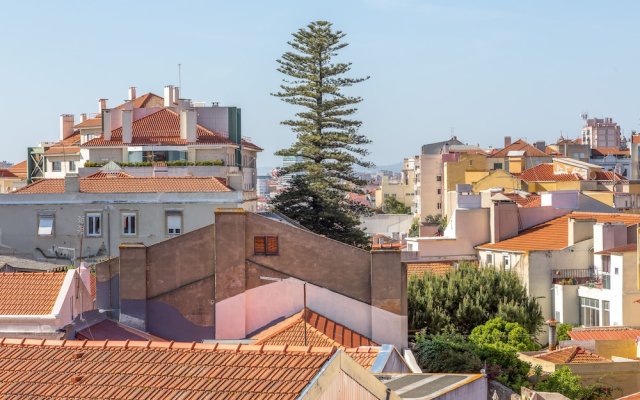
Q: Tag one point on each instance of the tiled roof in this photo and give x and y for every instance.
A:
(155, 370)
(19, 169)
(608, 176)
(519, 145)
(250, 145)
(571, 355)
(553, 234)
(321, 331)
(604, 333)
(147, 100)
(435, 268)
(364, 355)
(5, 173)
(90, 123)
(532, 200)
(620, 249)
(544, 173)
(29, 293)
(606, 151)
(634, 396)
(183, 184)
(109, 175)
(62, 150)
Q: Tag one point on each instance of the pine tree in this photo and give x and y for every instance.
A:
(328, 141)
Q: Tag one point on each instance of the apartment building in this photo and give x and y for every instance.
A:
(402, 189)
(601, 132)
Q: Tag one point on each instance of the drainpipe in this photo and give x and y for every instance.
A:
(553, 336)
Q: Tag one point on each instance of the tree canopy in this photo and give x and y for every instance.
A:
(328, 144)
(469, 296)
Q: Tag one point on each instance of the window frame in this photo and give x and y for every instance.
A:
(167, 215)
(123, 217)
(72, 166)
(53, 166)
(53, 225)
(92, 215)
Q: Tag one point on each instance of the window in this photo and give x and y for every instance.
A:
(606, 268)
(72, 166)
(506, 262)
(439, 206)
(439, 191)
(129, 227)
(605, 313)
(489, 259)
(174, 222)
(439, 178)
(45, 225)
(265, 245)
(56, 166)
(497, 166)
(93, 224)
(589, 312)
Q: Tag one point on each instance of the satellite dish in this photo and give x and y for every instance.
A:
(593, 175)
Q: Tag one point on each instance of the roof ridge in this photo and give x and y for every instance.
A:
(164, 345)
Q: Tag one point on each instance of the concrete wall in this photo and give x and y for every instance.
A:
(19, 219)
(469, 228)
(108, 153)
(386, 224)
(566, 306)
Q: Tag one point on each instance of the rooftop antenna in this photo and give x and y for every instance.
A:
(180, 76)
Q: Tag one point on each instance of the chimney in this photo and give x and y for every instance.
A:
(102, 105)
(127, 126)
(83, 117)
(553, 336)
(132, 92)
(507, 141)
(168, 96)
(176, 93)
(579, 230)
(106, 124)
(183, 104)
(66, 126)
(128, 105)
(188, 120)
(608, 235)
(71, 183)
(503, 220)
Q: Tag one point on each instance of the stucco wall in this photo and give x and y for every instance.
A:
(111, 154)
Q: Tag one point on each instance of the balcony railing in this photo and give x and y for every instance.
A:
(576, 276)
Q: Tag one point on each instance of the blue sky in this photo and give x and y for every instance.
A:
(484, 69)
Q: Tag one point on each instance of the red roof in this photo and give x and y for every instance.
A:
(519, 145)
(110, 330)
(620, 249)
(604, 333)
(90, 123)
(571, 355)
(68, 369)
(321, 331)
(5, 173)
(610, 151)
(553, 234)
(183, 184)
(608, 176)
(544, 173)
(532, 200)
(19, 169)
(29, 293)
(436, 268)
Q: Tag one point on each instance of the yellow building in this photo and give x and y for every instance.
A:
(500, 179)
(8, 181)
(402, 190)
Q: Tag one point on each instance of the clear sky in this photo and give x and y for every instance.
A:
(482, 68)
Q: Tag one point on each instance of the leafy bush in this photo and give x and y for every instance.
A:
(563, 331)
(445, 353)
(498, 332)
(177, 163)
(565, 382)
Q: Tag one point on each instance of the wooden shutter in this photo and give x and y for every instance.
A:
(272, 245)
(259, 245)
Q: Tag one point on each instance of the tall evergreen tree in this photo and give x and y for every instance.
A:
(328, 142)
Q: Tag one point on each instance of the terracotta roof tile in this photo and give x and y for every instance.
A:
(5, 173)
(155, 370)
(62, 150)
(435, 268)
(29, 293)
(604, 333)
(19, 169)
(365, 355)
(519, 145)
(544, 173)
(110, 330)
(321, 331)
(606, 151)
(631, 247)
(100, 184)
(634, 396)
(571, 355)
(532, 200)
(553, 234)
(608, 176)
(90, 123)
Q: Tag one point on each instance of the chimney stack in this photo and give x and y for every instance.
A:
(507, 141)
(168, 96)
(188, 122)
(66, 126)
(102, 105)
(553, 336)
(106, 124)
(176, 93)
(127, 126)
(83, 117)
(71, 183)
(132, 92)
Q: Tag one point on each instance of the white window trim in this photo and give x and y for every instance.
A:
(167, 215)
(51, 229)
(124, 216)
(88, 217)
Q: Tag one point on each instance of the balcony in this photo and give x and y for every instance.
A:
(577, 276)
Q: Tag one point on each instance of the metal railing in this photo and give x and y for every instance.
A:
(579, 276)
